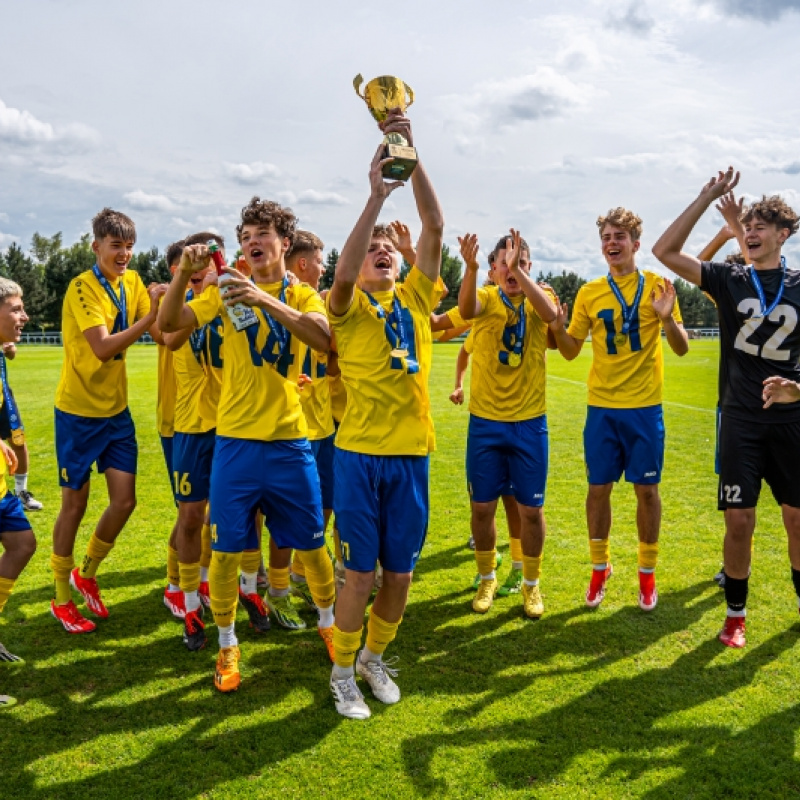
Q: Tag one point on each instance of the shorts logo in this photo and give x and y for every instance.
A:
(538, 496)
(319, 535)
(650, 474)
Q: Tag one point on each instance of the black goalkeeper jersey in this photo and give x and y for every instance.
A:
(754, 348)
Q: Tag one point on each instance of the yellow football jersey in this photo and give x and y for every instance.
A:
(338, 396)
(469, 342)
(629, 374)
(198, 379)
(498, 390)
(165, 400)
(260, 399)
(315, 397)
(88, 387)
(388, 409)
(4, 473)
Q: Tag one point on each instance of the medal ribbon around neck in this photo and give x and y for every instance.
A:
(278, 331)
(756, 281)
(197, 338)
(513, 358)
(628, 311)
(121, 302)
(14, 419)
(395, 329)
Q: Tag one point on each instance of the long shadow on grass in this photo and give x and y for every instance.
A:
(626, 715)
(211, 738)
(484, 658)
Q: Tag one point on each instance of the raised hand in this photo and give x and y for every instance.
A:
(561, 317)
(239, 289)
(722, 184)
(194, 258)
(395, 122)
(731, 210)
(404, 243)
(779, 390)
(155, 292)
(513, 249)
(469, 250)
(663, 300)
(380, 187)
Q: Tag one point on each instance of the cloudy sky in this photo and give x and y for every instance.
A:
(528, 114)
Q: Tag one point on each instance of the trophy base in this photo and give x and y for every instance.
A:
(405, 160)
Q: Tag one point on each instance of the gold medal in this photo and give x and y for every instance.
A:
(620, 339)
(514, 359)
(399, 352)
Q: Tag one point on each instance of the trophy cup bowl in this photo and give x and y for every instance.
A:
(381, 95)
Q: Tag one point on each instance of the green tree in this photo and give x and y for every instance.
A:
(565, 285)
(696, 309)
(452, 268)
(61, 267)
(42, 247)
(326, 281)
(29, 275)
(151, 266)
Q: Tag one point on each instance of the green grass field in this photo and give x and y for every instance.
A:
(605, 703)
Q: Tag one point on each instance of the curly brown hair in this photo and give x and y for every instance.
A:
(774, 211)
(622, 218)
(268, 212)
(386, 232)
(113, 223)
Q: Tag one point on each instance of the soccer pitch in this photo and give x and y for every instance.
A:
(604, 703)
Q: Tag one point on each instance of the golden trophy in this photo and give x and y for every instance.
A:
(381, 95)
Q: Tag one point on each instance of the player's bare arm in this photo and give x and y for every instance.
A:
(540, 301)
(106, 345)
(462, 362)
(310, 328)
(780, 390)
(174, 315)
(429, 246)
(567, 345)
(468, 305)
(663, 302)
(669, 248)
(355, 249)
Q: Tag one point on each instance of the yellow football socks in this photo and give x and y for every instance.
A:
(298, 568)
(279, 579)
(189, 577)
(600, 551)
(95, 553)
(345, 646)
(531, 568)
(223, 579)
(62, 566)
(380, 634)
(648, 555)
(516, 549)
(173, 573)
(319, 574)
(487, 561)
(251, 561)
(6, 585)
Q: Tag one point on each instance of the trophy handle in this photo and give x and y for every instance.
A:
(357, 81)
(410, 93)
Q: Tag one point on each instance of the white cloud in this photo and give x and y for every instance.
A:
(634, 19)
(762, 10)
(142, 201)
(7, 239)
(249, 174)
(3, 217)
(20, 127)
(313, 197)
(543, 249)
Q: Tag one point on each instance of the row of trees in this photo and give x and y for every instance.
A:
(44, 275)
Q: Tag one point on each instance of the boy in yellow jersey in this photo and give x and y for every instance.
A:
(16, 536)
(305, 261)
(197, 367)
(507, 441)
(625, 312)
(262, 458)
(106, 309)
(165, 423)
(383, 339)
